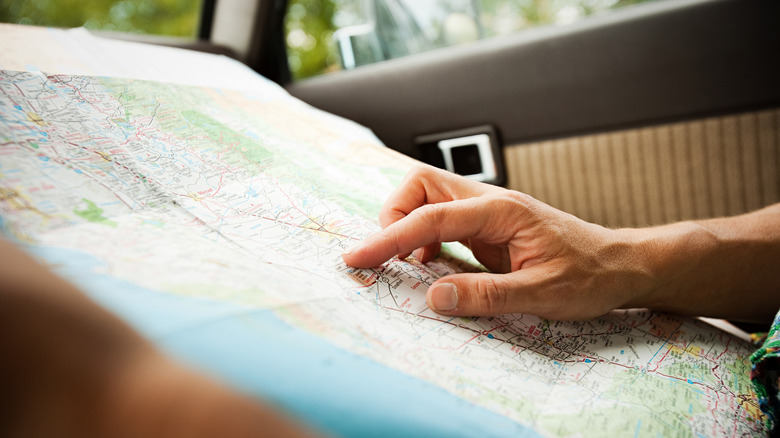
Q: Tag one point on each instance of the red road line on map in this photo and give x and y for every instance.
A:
(206, 205)
(321, 229)
(219, 187)
(465, 343)
(582, 357)
(725, 349)
(692, 382)
(21, 93)
(276, 183)
(663, 357)
(57, 79)
(487, 332)
(321, 226)
(580, 335)
(477, 332)
(98, 180)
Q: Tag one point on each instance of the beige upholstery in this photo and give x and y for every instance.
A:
(702, 168)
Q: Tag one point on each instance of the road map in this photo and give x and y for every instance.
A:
(213, 221)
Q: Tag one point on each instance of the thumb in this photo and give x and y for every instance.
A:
(478, 294)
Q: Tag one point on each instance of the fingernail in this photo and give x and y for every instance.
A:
(444, 296)
(418, 253)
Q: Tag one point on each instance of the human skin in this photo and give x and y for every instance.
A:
(551, 264)
(72, 369)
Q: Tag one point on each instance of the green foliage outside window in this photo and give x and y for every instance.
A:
(310, 24)
(160, 17)
(309, 29)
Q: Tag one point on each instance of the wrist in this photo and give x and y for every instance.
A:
(671, 256)
(637, 266)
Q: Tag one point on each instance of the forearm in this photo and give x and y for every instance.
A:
(725, 267)
(59, 349)
(71, 368)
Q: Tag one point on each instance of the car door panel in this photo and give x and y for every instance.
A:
(610, 92)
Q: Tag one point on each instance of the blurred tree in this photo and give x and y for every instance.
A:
(160, 17)
(309, 29)
(309, 24)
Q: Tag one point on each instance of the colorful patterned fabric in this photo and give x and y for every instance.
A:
(765, 374)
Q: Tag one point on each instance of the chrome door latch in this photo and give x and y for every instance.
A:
(474, 153)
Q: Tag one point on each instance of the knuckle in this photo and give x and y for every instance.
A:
(512, 200)
(433, 212)
(388, 216)
(432, 216)
(418, 171)
(491, 298)
(432, 178)
(521, 197)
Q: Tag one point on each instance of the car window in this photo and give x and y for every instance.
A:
(330, 35)
(172, 17)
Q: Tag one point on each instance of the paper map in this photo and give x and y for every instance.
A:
(214, 222)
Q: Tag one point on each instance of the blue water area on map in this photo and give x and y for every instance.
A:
(333, 390)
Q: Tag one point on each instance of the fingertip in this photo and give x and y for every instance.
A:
(442, 297)
(368, 253)
(471, 294)
(430, 252)
(352, 255)
(347, 257)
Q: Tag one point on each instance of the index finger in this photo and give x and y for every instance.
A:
(427, 185)
(431, 223)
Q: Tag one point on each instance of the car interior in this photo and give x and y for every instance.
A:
(651, 113)
(659, 112)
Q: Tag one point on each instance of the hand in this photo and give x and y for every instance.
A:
(544, 261)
